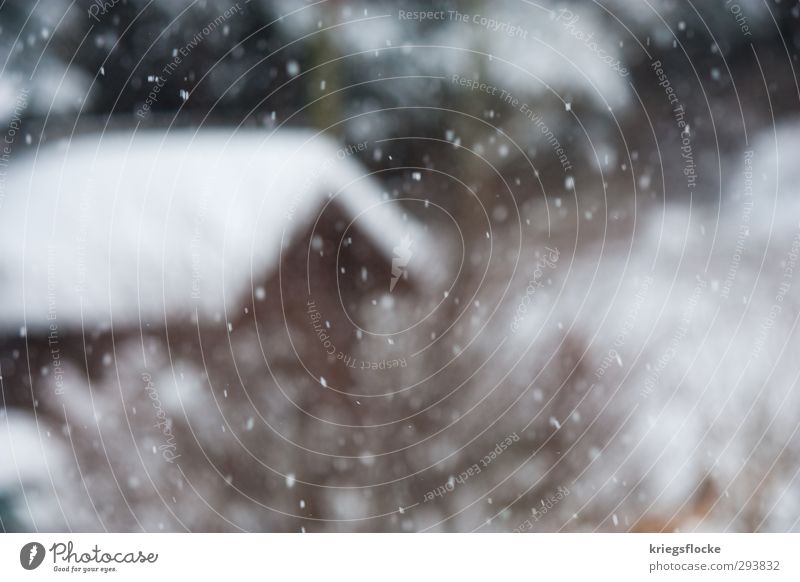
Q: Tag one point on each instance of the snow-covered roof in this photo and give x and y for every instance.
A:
(108, 229)
(530, 50)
